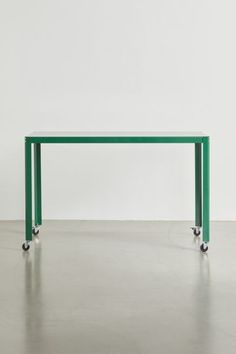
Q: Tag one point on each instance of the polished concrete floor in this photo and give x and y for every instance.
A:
(111, 287)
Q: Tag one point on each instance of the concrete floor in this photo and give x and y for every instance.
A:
(110, 287)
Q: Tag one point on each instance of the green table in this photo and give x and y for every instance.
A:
(202, 169)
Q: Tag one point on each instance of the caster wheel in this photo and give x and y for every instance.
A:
(196, 231)
(25, 246)
(35, 231)
(204, 247)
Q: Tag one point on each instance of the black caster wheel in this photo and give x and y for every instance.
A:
(35, 231)
(196, 231)
(204, 247)
(26, 246)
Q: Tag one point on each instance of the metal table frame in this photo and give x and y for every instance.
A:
(202, 170)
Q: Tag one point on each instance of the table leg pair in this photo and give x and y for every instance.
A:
(29, 228)
(202, 192)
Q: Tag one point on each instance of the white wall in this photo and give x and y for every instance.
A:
(117, 65)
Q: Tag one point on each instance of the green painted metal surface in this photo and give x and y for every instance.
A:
(115, 139)
(198, 184)
(37, 185)
(28, 191)
(206, 189)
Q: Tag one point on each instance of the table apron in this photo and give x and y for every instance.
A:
(115, 140)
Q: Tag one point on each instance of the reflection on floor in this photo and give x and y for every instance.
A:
(114, 287)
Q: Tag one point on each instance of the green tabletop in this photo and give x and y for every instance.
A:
(115, 137)
(114, 133)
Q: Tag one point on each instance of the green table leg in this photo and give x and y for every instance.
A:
(37, 185)
(206, 189)
(198, 185)
(28, 192)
